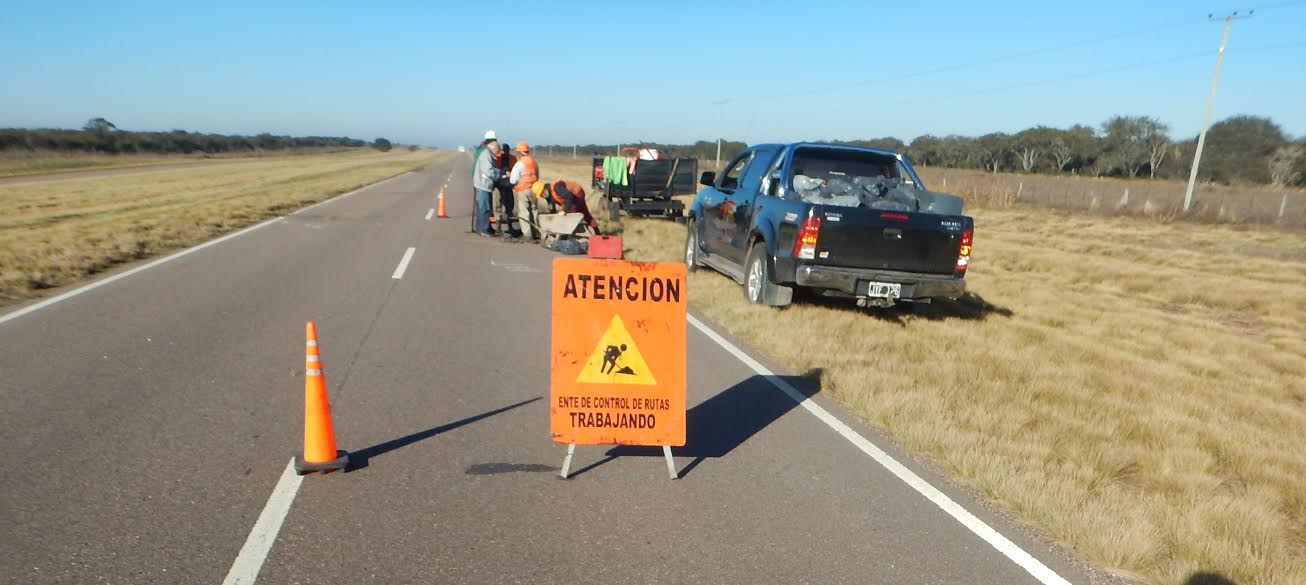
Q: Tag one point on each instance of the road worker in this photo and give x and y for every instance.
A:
(504, 204)
(525, 174)
(476, 157)
(485, 176)
(569, 196)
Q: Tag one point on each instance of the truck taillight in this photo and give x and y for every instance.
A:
(963, 252)
(805, 243)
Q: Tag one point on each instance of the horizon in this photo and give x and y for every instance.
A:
(246, 69)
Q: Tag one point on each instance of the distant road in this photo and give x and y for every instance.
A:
(148, 423)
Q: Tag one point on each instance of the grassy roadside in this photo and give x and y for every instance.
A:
(23, 164)
(20, 164)
(1135, 389)
(53, 234)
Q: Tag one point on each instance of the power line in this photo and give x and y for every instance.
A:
(1039, 82)
(1065, 78)
(959, 66)
(985, 61)
(1086, 41)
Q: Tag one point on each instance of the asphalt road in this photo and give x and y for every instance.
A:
(146, 423)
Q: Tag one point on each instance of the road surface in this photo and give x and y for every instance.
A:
(148, 424)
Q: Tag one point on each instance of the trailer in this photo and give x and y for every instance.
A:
(651, 184)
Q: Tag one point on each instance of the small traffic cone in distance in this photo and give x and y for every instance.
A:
(441, 212)
(320, 452)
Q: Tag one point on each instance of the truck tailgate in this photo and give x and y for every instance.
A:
(855, 237)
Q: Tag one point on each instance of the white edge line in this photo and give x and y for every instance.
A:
(429, 214)
(244, 570)
(32, 308)
(403, 264)
(1003, 545)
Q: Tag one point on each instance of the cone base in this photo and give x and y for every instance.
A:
(304, 467)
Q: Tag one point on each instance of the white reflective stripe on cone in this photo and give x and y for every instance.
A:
(312, 372)
(313, 358)
(311, 343)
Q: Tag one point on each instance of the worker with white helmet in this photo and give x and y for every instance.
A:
(484, 176)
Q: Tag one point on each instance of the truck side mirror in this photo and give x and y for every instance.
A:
(707, 178)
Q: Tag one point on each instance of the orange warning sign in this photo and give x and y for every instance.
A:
(618, 357)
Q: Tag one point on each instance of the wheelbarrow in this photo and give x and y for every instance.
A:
(561, 226)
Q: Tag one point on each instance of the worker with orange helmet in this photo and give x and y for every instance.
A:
(525, 174)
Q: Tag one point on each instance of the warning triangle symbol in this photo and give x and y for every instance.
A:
(616, 359)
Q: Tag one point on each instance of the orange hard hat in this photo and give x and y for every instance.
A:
(523, 147)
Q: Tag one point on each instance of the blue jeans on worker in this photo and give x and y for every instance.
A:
(482, 225)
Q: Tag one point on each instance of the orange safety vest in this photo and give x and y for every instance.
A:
(530, 173)
(575, 189)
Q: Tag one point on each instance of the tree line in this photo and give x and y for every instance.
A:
(1239, 149)
(100, 135)
(702, 150)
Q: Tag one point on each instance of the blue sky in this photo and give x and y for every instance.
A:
(565, 72)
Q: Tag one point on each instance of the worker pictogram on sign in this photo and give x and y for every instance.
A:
(618, 356)
(616, 359)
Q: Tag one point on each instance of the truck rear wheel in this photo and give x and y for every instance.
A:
(758, 285)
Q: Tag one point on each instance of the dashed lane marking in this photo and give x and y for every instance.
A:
(403, 264)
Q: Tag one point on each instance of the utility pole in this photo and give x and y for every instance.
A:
(573, 151)
(720, 107)
(1210, 103)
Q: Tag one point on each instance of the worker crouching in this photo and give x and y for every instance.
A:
(567, 195)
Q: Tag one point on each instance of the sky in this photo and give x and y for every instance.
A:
(440, 74)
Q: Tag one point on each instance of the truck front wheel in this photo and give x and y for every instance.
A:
(691, 245)
(758, 285)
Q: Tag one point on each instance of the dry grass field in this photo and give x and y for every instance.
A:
(22, 163)
(1134, 388)
(1160, 199)
(59, 232)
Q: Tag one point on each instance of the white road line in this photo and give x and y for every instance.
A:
(403, 264)
(979, 527)
(250, 560)
(32, 308)
(429, 214)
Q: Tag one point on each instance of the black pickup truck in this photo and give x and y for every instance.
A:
(842, 221)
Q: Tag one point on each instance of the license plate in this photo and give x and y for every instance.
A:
(883, 290)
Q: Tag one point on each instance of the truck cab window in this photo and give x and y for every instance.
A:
(730, 179)
(905, 176)
(774, 179)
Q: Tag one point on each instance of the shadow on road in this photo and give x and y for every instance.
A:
(498, 468)
(723, 422)
(359, 459)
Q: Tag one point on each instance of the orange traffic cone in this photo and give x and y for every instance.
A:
(320, 452)
(441, 212)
